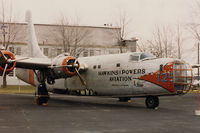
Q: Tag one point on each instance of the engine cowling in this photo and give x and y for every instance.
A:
(65, 66)
(7, 57)
(69, 65)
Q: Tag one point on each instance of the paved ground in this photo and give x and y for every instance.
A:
(71, 114)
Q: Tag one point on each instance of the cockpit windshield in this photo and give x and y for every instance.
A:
(141, 56)
(146, 56)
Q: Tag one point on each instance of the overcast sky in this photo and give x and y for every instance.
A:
(145, 14)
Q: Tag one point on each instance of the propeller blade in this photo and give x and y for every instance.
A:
(4, 72)
(10, 61)
(81, 79)
(79, 51)
(3, 55)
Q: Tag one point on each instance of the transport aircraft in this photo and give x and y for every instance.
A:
(123, 76)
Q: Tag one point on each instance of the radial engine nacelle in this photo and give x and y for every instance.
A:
(65, 66)
(7, 62)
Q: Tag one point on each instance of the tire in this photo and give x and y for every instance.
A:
(41, 95)
(41, 100)
(152, 102)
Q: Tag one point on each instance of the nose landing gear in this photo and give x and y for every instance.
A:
(152, 102)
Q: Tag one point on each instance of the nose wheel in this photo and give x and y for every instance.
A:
(152, 102)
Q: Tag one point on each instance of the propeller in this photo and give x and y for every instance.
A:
(5, 61)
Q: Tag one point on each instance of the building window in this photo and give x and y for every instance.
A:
(46, 51)
(98, 52)
(91, 52)
(12, 49)
(94, 67)
(85, 53)
(59, 51)
(111, 52)
(18, 51)
(118, 65)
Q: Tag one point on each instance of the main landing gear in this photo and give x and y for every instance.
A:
(41, 95)
(152, 102)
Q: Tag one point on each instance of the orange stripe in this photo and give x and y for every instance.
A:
(31, 77)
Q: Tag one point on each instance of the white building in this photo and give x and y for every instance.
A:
(95, 40)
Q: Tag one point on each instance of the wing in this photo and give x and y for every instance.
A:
(60, 67)
(33, 63)
(46, 63)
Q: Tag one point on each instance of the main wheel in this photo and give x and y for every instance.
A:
(41, 100)
(152, 102)
(41, 95)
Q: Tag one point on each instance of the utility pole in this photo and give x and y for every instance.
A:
(197, 112)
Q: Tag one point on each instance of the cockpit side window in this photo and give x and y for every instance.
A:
(146, 56)
(141, 56)
(134, 57)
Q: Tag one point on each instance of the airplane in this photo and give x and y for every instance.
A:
(123, 76)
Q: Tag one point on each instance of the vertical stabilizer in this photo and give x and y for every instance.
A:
(33, 48)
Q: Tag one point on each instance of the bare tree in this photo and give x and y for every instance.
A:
(179, 40)
(141, 46)
(162, 43)
(122, 21)
(9, 28)
(153, 48)
(194, 25)
(155, 45)
(157, 42)
(70, 34)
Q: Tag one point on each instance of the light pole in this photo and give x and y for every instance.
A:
(197, 112)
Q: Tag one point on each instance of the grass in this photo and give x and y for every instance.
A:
(25, 89)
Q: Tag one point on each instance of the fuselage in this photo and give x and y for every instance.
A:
(120, 75)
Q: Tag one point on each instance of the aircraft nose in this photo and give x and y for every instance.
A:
(182, 76)
(175, 76)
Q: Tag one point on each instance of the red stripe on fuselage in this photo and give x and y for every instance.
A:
(162, 78)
